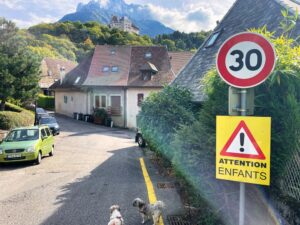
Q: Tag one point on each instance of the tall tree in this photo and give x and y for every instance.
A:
(19, 68)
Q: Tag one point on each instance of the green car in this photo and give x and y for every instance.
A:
(27, 144)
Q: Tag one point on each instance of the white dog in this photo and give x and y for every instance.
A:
(149, 210)
(115, 216)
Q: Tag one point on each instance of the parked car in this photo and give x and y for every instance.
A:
(140, 139)
(41, 112)
(27, 144)
(51, 123)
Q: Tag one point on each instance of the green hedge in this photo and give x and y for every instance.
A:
(10, 120)
(46, 102)
(12, 107)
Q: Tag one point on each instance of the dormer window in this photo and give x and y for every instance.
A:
(148, 55)
(113, 51)
(114, 69)
(105, 69)
(213, 38)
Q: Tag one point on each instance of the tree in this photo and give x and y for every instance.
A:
(19, 68)
(7, 29)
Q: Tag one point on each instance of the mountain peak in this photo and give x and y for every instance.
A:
(102, 11)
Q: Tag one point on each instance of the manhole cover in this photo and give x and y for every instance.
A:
(165, 185)
(177, 220)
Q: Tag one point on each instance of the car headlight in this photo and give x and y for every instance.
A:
(30, 149)
(56, 126)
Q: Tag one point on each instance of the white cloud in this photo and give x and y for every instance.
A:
(183, 15)
(188, 15)
(11, 4)
(188, 20)
(103, 3)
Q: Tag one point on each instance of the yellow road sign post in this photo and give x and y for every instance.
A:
(243, 149)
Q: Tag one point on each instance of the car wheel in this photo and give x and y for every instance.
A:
(39, 158)
(52, 151)
(141, 142)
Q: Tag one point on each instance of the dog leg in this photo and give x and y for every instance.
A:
(155, 218)
(143, 218)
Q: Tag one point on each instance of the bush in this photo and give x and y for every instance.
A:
(12, 107)
(46, 102)
(10, 120)
(161, 114)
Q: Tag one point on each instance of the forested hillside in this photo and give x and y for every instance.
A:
(74, 40)
(182, 41)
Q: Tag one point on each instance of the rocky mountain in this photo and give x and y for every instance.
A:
(102, 11)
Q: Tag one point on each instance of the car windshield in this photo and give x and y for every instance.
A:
(47, 120)
(23, 135)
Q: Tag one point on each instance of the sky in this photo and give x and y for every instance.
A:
(182, 15)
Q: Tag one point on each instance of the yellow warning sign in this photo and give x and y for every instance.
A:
(243, 149)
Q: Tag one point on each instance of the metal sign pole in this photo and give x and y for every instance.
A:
(243, 110)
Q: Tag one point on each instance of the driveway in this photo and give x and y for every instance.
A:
(93, 168)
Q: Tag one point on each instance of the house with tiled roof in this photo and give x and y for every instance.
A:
(116, 78)
(243, 15)
(52, 70)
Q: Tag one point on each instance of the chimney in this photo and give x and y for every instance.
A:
(62, 73)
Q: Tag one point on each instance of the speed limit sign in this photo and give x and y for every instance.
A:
(245, 60)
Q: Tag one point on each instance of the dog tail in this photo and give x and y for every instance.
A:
(160, 205)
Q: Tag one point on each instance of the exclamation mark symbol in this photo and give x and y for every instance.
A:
(242, 137)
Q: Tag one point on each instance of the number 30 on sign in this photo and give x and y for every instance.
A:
(245, 60)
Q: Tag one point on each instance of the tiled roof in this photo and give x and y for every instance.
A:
(131, 63)
(243, 15)
(103, 57)
(159, 58)
(179, 60)
(75, 78)
(51, 70)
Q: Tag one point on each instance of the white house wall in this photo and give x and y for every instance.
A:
(132, 103)
(118, 121)
(76, 102)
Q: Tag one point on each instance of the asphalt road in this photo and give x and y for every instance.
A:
(93, 168)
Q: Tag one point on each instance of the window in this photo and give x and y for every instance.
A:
(97, 102)
(43, 132)
(211, 41)
(77, 80)
(103, 101)
(48, 132)
(140, 98)
(114, 69)
(105, 69)
(72, 99)
(148, 55)
(100, 101)
(65, 99)
(115, 102)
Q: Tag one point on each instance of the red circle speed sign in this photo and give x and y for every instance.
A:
(245, 60)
